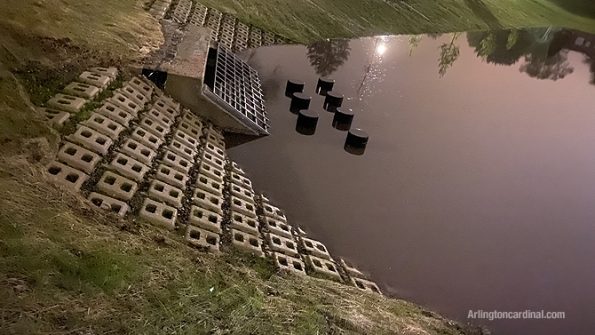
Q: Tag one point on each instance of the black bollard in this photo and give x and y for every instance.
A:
(293, 87)
(299, 101)
(356, 141)
(324, 85)
(332, 101)
(343, 118)
(306, 122)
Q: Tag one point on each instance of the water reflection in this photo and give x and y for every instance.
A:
(328, 55)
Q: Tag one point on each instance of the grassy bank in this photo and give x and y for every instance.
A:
(309, 20)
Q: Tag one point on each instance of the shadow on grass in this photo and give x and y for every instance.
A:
(484, 13)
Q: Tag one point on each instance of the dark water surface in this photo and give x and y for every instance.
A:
(477, 188)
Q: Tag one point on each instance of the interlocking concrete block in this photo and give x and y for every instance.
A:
(288, 263)
(115, 113)
(159, 214)
(315, 248)
(160, 117)
(125, 103)
(193, 120)
(172, 177)
(366, 285)
(205, 219)
(213, 160)
(208, 201)
(138, 151)
(91, 139)
(82, 90)
(210, 185)
(128, 167)
(241, 192)
(95, 79)
(177, 162)
(161, 191)
(164, 101)
(55, 117)
(117, 186)
(110, 72)
(215, 151)
(212, 130)
(147, 138)
(67, 103)
(241, 180)
(247, 243)
(273, 212)
(244, 223)
(243, 207)
(186, 139)
(182, 11)
(155, 128)
(134, 95)
(190, 130)
(351, 270)
(277, 227)
(281, 244)
(323, 266)
(104, 125)
(108, 203)
(78, 157)
(235, 167)
(211, 172)
(201, 238)
(67, 176)
(183, 150)
(141, 86)
(210, 138)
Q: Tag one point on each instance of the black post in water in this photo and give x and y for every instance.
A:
(299, 101)
(332, 101)
(343, 118)
(324, 85)
(356, 141)
(293, 87)
(306, 122)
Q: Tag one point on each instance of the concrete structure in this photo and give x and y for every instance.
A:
(163, 192)
(205, 219)
(115, 113)
(146, 138)
(207, 184)
(125, 103)
(117, 186)
(171, 176)
(67, 176)
(181, 149)
(81, 90)
(241, 192)
(177, 162)
(284, 245)
(95, 79)
(366, 285)
(244, 223)
(208, 170)
(247, 243)
(108, 203)
(159, 214)
(315, 248)
(208, 201)
(67, 103)
(134, 95)
(104, 125)
(323, 266)
(201, 238)
(55, 117)
(290, 264)
(128, 167)
(243, 207)
(277, 227)
(91, 140)
(78, 157)
(138, 151)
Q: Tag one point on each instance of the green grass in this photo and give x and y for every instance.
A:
(307, 21)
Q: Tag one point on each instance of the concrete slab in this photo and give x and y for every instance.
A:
(134, 95)
(315, 248)
(209, 185)
(91, 139)
(366, 285)
(108, 203)
(128, 167)
(110, 72)
(205, 219)
(138, 151)
(156, 128)
(172, 177)
(201, 238)
(104, 125)
(282, 244)
(323, 266)
(55, 117)
(141, 86)
(290, 264)
(177, 162)
(115, 113)
(182, 150)
(67, 103)
(244, 223)
(159, 214)
(208, 201)
(117, 186)
(95, 79)
(211, 172)
(247, 243)
(277, 227)
(243, 207)
(82, 90)
(186, 139)
(125, 103)
(163, 192)
(147, 138)
(67, 176)
(78, 157)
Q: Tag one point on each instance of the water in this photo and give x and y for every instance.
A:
(477, 187)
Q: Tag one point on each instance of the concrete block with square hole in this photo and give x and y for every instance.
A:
(365, 285)
(67, 176)
(82, 90)
(181, 149)
(168, 101)
(78, 157)
(110, 72)
(244, 223)
(241, 181)
(281, 244)
(276, 227)
(205, 219)
(166, 109)
(208, 201)
(186, 139)
(323, 266)
(126, 104)
(241, 192)
(161, 191)
(247, 243)
(95, 79)
(108, 203)
(55, 117)
(159, 213)
(243, 207)
(177, 162)
(201, 238)
(134, 95)
(67, 103)
(208, 170)
(315, 248)
(138, 151)
(215, 151)
(117, 186)
(210, 138)
(159, 117)
(146, 138)
(273, 212)
(171, 176)
(192, 120)
(351, 270)
(91, 139)
(214, 161)
(288, 263)
(210, 185)
(190, 130)
(128, 167)
(212, 130)
(104, 125)
(235, 167)
(115, 113)
(156, 128)
(141, 86)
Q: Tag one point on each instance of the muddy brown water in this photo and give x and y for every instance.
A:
(477, 188)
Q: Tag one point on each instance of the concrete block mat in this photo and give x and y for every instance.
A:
(111, 72)
(67, 103)
(241, 181)
(125, 103)
(141, 86)
(172, 177)
(277, 227)
(190, 130)
(160, 117)
(208, 201)
(67, 176)
(323, 266)
(168, 194)
(138, 151)
(95, 79)
(288, 263)
(159, 213)
(91, 139)
(284, 245)
(56, 118)
(104, 125)
(186, 139)
(211, 172)
(315, 248)
(247, 243)
(78, 157)
(147, 138)
(128, 167)
(134, 95)
(108, 203)
(115, 113)
(154, 127)
(213, 160)
(117, 186)
(177, 162)
(205, 219)
(241, 192)
(243, 207)
(209, 185)
(183, 150)
(201, 238)
(82, 90)
(273, 212)
(366, 285)
(244, 223)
